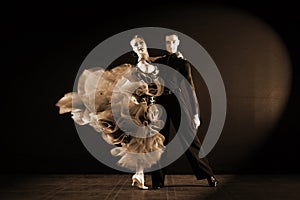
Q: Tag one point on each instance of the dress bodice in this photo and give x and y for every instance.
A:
(147, 77)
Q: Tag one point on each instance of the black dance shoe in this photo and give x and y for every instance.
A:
(157, 185)
(212, 181)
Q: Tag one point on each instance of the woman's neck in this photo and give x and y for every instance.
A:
(143, 57)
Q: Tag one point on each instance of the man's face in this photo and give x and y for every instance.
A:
(172, 43)
(139, 46)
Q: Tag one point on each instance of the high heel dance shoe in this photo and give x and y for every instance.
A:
(139, 180)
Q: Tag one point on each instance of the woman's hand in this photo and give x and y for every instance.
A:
(196, 121)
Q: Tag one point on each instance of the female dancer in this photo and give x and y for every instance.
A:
(121, 104)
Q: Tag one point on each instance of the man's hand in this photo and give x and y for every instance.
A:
(196, 121)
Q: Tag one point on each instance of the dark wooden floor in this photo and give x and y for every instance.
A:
(183, 187)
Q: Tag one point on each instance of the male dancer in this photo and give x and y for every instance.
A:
(200, 167)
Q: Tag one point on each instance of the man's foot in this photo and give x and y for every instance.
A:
(157, 185)
(212, 181)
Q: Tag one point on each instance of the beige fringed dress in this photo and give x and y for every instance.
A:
(120, 104)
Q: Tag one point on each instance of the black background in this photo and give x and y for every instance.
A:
(43, 45)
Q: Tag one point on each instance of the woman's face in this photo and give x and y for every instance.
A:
(139, 46)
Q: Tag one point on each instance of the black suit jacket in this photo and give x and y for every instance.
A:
(188, 94)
